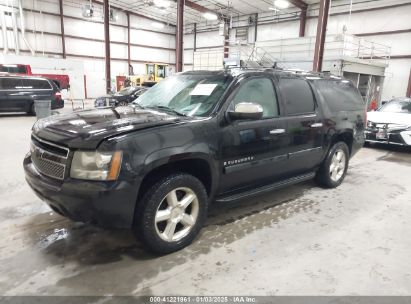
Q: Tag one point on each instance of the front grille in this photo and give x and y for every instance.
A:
(49, 159)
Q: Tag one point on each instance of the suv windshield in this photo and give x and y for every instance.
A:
(397, 107)
(191, 95)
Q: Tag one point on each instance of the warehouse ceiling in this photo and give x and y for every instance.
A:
(228, 8)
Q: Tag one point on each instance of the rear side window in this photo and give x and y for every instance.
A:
(10, 83)
(37, 84)
(340, 95)
(16, 69)
(297, 95)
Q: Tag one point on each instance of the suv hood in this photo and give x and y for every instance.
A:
(86, 129)
(389, 118)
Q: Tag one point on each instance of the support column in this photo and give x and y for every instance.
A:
(107, 43)
(195, 37)
(63, 38)
(409, 86)
(128, 41)
(321, 32)
(226, 41)
(303, 21)
(179, 35)
(255, 27)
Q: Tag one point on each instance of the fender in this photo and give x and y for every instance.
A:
(172, 155)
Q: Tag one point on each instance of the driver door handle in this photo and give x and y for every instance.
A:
(317, 125)
(277, 131)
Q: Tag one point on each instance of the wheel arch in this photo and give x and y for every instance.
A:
(345, 135)
(197, 165)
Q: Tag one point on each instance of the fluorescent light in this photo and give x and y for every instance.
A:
(281, 3)
(273, 9)
(162, 3)
(210, 16)
(157, 25)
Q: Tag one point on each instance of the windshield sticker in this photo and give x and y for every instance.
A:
(204, 89)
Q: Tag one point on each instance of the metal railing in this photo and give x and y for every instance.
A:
(336, 46)
(267, 53)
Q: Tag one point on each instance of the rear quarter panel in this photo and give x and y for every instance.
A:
(343, 110)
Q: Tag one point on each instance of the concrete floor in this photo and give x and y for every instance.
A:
(302, 240)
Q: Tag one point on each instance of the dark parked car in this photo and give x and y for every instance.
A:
(18, 93)
(121, 98)
(193, 139)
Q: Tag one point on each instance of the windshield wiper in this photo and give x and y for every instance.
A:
(167, 109)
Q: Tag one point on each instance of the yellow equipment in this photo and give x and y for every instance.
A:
(155, 72)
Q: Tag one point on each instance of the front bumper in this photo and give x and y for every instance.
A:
(108, 204)
(397, 137)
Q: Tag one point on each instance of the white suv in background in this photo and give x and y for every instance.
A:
(391, 123)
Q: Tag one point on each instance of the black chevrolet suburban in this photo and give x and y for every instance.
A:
(18, 93)
(193, 139)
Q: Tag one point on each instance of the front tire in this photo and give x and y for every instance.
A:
(334, 168)
(171, 213)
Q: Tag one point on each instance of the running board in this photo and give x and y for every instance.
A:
(266, 188)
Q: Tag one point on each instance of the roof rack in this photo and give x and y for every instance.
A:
(236, 66)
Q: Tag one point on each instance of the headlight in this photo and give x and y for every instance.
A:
(96, 165)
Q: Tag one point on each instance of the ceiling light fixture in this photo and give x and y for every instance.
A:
(162, 3)
(210, 16)
(157, 25)
(281, 4)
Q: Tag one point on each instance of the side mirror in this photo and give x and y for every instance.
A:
(246, 110)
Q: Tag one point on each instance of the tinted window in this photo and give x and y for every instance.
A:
(10, 83)
(37, 84)
(297, 95)
(260, 91)
(21, 69)
(340, 95)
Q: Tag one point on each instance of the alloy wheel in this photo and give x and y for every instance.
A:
(176, 214)
(337, 166)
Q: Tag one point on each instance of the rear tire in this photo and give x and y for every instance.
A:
(334, 168)
(171, 213)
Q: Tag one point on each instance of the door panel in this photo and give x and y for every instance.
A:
(253, 151)
(305, 138)
(252, 154)
(304, 124)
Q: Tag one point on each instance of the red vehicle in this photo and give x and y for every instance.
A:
(62, 81)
